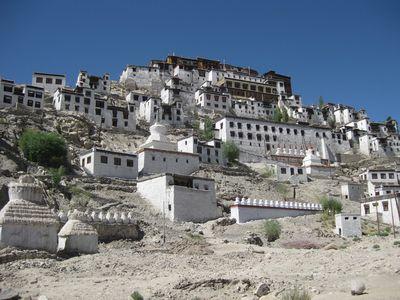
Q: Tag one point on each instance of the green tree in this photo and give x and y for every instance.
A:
(331, 122)
(277, 115)
(47, 149)
(57, 174)
(272, 230)
(285, 116)
(230, 151)
(208, 131)
(320, 102)
(331, 206)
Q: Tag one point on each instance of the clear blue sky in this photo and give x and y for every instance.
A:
(346, 51)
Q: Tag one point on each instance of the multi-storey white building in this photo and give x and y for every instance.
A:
(50, 82)
(12, 95)
(101, 85)
(154, 109)
(250, 108)
(213, 98)
(82, 100)
(385, 207)
(209, 152)
(136, 97)
(159, 155)
(282, 171)
(353, 191)
(263, 137)
(151, 79)
(181, 198)
(381, 181)
(105, 163)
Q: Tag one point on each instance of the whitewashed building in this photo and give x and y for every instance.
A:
(50, 82)
(98, 109)
(146, 78)
(135, 98)
(250, 108)
(381, 181)
(282, 171)
(209, 152)
(263, 137)
(105, 163)
(12, 95)
(181, 198)
(154, 109)
(385, 207)
(353, 191)
(101, 85)
(213, 98)
(348, 225)
(159, 155)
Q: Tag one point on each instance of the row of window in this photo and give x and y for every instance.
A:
(245, 86)
(250, 136)
(265, 128)
(49, 80)
(77, 99)
(164, 159)
(292, 171)
(104, 160)
(200, 151)
(382, 175)
(8, 99)
(384, 204)
(216, 98)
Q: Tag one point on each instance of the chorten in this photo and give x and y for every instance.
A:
(26, 221)
(77, 236)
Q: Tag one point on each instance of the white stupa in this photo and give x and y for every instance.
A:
(158, 138)
(26, 221)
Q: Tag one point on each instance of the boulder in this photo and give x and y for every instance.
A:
(253, 239)
(330, 246)
(262, 289)
(357, 287)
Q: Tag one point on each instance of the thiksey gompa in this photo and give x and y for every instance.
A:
(186, 166)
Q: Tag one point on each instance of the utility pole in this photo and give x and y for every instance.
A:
(377, 216)
(391, 210)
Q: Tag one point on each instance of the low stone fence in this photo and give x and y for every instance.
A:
(244, 210)
(110, 226)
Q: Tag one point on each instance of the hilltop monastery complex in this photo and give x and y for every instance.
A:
(259, 112)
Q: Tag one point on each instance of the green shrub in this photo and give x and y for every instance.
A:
(230, 151)
(267, 172)
(285, 116)
(57, 174)
(356, 239)
(396, 243)
(331, 206)
(376, 247)
(136, 296)
(282, 189)
(296, 294)
(208, 131)
(272, 230)
(277, 115)
(47, 149)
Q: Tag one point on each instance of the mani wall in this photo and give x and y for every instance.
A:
(249, 210)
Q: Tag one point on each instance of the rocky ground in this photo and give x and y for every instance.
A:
(217, 264)
(197, 261)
